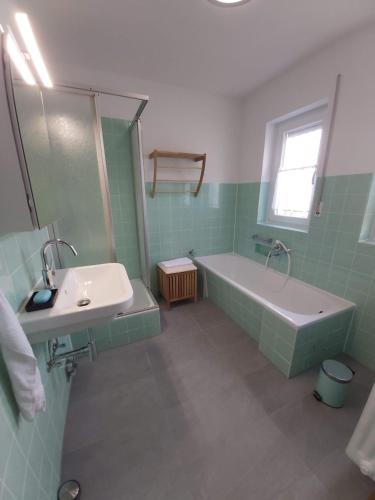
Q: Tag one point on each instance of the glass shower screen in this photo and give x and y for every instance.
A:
(61, 142)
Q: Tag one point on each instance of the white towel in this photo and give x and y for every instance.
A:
(183, 261)
(21, 363)
(361, 447)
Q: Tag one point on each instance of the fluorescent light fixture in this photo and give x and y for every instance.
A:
(29, 39)
(19, 59)
(229, 3)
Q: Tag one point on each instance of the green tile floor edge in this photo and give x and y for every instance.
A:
(330, 255)
(30, 453)
(122, 331)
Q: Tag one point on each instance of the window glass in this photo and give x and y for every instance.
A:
(295, 178)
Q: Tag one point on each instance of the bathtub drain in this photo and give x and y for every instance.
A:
(83, 302)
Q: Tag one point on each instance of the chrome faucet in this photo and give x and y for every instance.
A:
(279, 248)
(47, 271)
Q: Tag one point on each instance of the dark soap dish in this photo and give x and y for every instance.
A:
(33, 306)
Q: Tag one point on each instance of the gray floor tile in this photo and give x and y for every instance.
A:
(113, 367)
(115, 413)
(176, 350)
(243, 358)
(363, 376)
(201, 377)
(202, 306)
(307, 487)
(221, 466)
(212, 317)
(342, 478)
(199, 413)
(225, 335)
(267, 476)
(122, 470)
(176, 320)
(312, 428)
(275, 391)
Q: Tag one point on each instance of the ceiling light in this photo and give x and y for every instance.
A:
(19, 59)
(27, 34)
(229, 3)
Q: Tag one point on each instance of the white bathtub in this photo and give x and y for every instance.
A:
(296, 302)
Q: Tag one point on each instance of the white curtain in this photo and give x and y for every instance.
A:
(361, 447)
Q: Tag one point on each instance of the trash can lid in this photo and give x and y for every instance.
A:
(337, 371)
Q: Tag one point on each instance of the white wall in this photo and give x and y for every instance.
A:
(231, 131)
(176, 119)
(312, 79)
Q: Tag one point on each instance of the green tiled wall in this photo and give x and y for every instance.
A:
(117, 148)
(30, 453)
(277, 341)
(242, 309)
(292, 351)
(181, 222)
(320, 341)
(330, 255)
(122, 331)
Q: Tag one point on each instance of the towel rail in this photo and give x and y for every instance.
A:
(177, 155)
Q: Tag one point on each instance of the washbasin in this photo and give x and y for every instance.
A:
(88, 296)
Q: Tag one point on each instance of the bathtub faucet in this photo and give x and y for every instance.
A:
(279, 248)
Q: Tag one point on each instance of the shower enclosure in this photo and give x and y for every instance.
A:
(86, 178)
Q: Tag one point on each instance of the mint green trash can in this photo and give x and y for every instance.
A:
(332, 384)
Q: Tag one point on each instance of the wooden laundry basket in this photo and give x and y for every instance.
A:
(177, 283)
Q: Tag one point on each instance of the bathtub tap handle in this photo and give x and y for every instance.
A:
(279, 248)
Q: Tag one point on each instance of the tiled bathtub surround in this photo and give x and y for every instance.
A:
(122, 331)
(329, 256)
(292, 351)
(30, 453)
(181, 222)
(117, 147)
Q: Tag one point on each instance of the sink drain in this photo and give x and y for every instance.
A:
(83, 302)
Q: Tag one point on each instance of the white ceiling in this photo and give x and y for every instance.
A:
(192, 43)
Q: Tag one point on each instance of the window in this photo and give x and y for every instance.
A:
(294, 145)
(295, 179)
(367, 234)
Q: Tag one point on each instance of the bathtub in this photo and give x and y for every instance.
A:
(297, 325)
(293, 300)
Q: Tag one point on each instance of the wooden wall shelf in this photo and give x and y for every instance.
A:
(156, 154)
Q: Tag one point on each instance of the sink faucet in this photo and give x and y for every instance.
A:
(47, 272)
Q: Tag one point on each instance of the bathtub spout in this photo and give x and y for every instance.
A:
(280, 248)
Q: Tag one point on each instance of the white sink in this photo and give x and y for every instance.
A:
(106, 285)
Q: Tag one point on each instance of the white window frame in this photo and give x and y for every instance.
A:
(307, 118)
